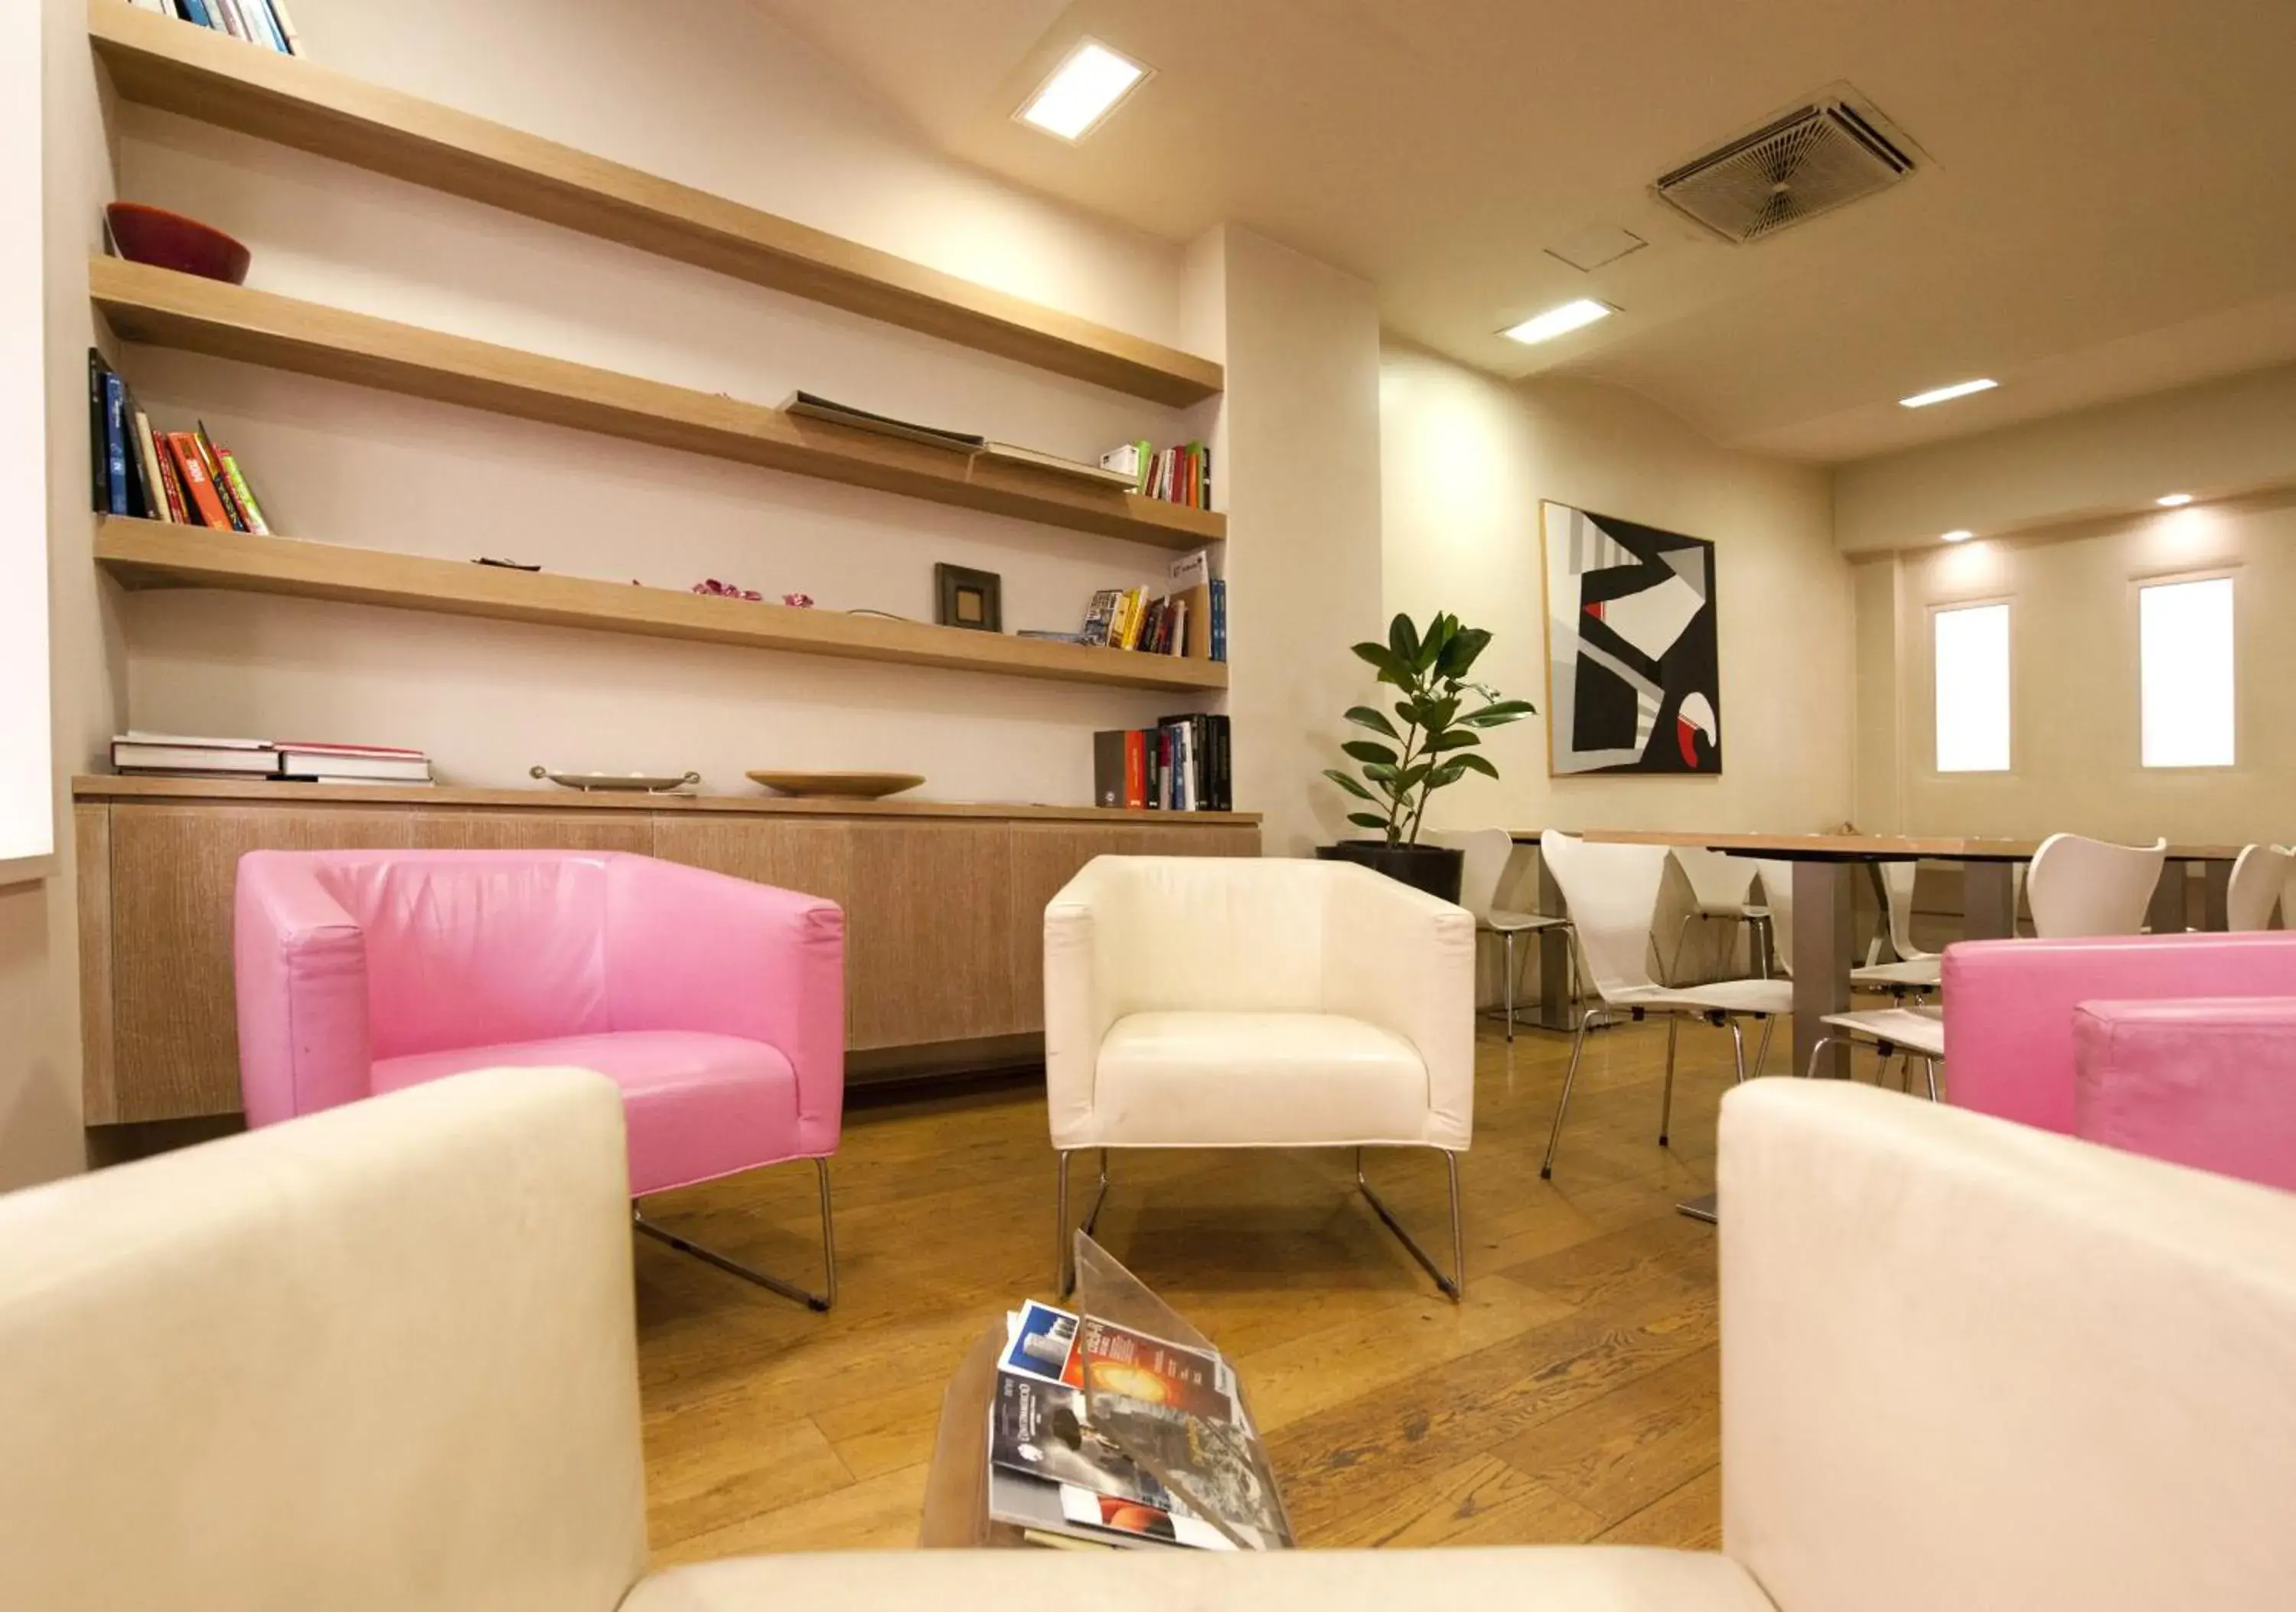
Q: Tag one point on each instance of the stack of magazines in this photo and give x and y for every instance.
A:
(1104, 1436)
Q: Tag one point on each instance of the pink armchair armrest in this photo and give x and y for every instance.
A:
(2009, 1006)
(300, 962)
(695, 951)
(2208, 1082)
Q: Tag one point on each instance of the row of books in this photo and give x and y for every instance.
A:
(1068, 1477)
(264, 22)
(183, 755)
(136, 469)
(1181, 474)
(1189, 619)
(1182, 764)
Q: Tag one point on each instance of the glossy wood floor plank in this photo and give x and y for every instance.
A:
(1574, 1395)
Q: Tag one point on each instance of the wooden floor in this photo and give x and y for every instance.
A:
(1573, 1396)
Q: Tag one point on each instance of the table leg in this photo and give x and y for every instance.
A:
(1821, 961)
(1988, 901)
(2166, 914)
(2216, 887)
(1554, 1005)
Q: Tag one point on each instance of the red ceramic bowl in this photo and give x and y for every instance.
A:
(165, 240)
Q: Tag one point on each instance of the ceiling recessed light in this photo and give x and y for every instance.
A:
(2173, 500)
(1945, 394)
(1082, 91)
(1959, 534)
(1558, 321)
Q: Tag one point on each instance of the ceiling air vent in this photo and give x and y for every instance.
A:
(1809, 161)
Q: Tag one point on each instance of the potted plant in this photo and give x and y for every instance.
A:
(1441, 717)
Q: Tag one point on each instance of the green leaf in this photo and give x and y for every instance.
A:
(1460, 652)
(1446, 775)
(1410, 777)
(1430, 647)
(1477, 762)
(1364, 820)
(1391, 666)
(1367, 750)
(1364, 716)
(1382, 776)
(1403, 638)
(1499, 716)
(1349, 783)
(1456, 738)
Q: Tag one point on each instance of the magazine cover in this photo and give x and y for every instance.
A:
(1155, 1372)
(1043, 1346)
(1135, 1521)
(1038, 1428)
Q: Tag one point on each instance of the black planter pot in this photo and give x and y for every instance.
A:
(1433, 868)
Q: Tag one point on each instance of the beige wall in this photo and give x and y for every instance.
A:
(2073, 676)
(1465, 460)
(2226, 437)
(39, 985)
(710, 91)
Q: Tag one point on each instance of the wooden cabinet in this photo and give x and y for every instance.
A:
(943, 904)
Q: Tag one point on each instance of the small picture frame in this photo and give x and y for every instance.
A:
(971, 599)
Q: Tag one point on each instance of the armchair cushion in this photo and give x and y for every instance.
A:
(2210, 1083)
(1258, 1079)
(697, 1107)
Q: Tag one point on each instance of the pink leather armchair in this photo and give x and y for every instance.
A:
(2013, 1012)
(715, 1005)
(2207, 1082)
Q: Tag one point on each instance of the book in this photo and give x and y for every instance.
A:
(1124, 461)
(1100, 616)
(132, 757)
(194, 470)
(178, 509)
(1108, 767)
(239, 521)
(1219, 619)
(1136, 770)
(1047, 635)
(374, 770)
(115, 445)
(1191, 570)
(1054, 463)
(147, 459)
(814, 407)
(241, 492)
(196, 11)
(137, 736)
(99, 479)
(286, 21)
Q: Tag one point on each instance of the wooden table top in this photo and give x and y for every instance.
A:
(1863, 847)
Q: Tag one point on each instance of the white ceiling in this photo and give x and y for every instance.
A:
(2110, 207)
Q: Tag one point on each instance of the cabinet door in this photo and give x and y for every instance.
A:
(483, 830)
(175, 1033)
(928, 947)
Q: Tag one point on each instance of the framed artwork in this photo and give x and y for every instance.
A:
(973, 599)
(1632, 661)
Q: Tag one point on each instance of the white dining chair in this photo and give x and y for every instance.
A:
(1913, 972)
(1613, 894)
(2078, 886)
(1721, 891)
(1897, 1031)
(1484, 855)
(2258, 878)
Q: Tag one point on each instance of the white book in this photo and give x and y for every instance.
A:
(380, 770)
(1193, 569)
(136, 736)
(286, 21)
(173, 758)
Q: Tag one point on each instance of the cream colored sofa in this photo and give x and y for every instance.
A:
(382, 1358)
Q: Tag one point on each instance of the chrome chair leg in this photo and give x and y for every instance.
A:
(1509, 938)
(1674, 968)
(1666, 1100)
(1929, 1068)
(1817, 1048)
(1064, 1270)
(1563, 1103)
(1454, 1285)
(820, 1301)
(1762, 1047)
(1737, 1048)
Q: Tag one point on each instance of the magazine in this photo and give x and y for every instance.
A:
(1039, 1429)
(1043, 1346)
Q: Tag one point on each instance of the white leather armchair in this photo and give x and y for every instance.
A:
(1231, 1002)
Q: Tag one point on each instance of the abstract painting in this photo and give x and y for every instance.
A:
(1633, 667)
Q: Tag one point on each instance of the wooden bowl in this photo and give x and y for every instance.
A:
(165, 240)
(846, 785)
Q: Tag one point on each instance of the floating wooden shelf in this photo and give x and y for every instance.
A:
(168, 309)
(155, 554)
(159, 62)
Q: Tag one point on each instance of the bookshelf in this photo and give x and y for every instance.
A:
(153, 553)
(196, 72)
(163, 308)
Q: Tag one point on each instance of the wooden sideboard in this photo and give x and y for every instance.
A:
(943, 902)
